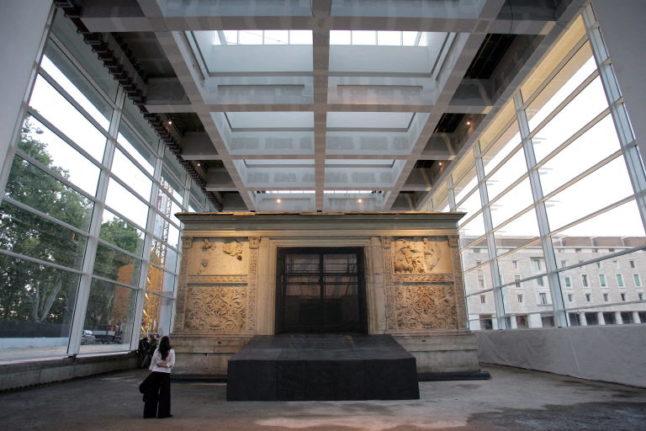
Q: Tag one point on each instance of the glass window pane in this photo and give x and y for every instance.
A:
(562, 85)
(597, 304)
(529, 304)
(583, 108)
(115, 265)
(66, 32)
(109, 318)
(41, 191)
(518, 232)
(493, 155)
(601, 235)
(603, 187)
(133, 114)
(136, 148)
(45, 146)
(507, 174)
(36, 307)
(393, 38)
(156, 316)
(165, 230)
(31, 235)
(526, 262)
(171, 164)
(121, 233)
(475, 254)
(482, 310)
(126, 203)
(123, 168)
(593, 146)
(512, 202)
(364, 37)
(56, 109)
(471, 204)
(171, 185)
(478, 279)
(474, 228)
(76, 85)
(158, 280)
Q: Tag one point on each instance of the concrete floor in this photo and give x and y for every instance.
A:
(512, 400)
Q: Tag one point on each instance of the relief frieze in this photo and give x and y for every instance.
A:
(221, 310)
(422, 307)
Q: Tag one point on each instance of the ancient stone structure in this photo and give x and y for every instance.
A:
(413, 282)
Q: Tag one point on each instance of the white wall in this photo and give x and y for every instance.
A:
(622, 27)
(607, 353)
(22, 23)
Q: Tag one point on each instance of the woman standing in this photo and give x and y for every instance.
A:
(157, 396)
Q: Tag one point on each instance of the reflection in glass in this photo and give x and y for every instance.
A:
(121, 233)
(37, 140)
(121, 200)
(131, 143)
(26, 233)
(115, 265)
(58, 111)
(123, 168)
(37, 189)
(109, 317)
(36, 306)
(76, 85)
(155, 319)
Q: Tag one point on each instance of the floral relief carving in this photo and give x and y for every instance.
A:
(426, 307)
(221, 308)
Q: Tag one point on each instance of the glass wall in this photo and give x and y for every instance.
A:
(88, 239)
(553, 233)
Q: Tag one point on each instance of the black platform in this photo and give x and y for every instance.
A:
(322, 367)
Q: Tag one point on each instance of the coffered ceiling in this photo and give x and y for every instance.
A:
(323, 105)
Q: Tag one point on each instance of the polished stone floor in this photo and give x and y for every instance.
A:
(512, 400)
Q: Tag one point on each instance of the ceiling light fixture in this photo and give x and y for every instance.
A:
(468, 123)
(439, 164)
(360, 200)
(278, 201)
(170, 122)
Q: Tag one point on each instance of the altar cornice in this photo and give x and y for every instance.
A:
(320, 220)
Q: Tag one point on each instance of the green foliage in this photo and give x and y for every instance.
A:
(39, 293)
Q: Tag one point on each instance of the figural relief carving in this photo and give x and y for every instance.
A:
(421, 256)
(422, 307)
(218, 256)
(216, 308)
(233, 248)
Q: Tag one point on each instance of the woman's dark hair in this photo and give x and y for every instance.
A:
(164, 347)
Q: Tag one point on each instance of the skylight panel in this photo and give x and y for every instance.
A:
(276, 37)
(340, 37)
(392, 38)
(250, 37)
(364, 37)
(263, 37)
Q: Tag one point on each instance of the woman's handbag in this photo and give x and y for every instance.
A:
(147, 384)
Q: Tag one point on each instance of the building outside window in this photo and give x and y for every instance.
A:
(637, 280)
(602, 280)
(620, 280)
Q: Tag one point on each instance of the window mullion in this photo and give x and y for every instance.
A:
(92, 243)
(541, 214)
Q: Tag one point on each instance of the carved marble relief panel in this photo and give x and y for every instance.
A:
(425, 307)
(217, 288)
(216, 308)
(217, 256)
(423, 284)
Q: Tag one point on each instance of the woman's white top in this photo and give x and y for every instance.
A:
(162, 366)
